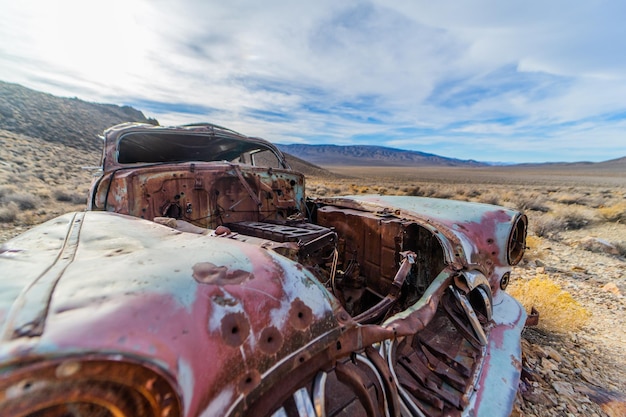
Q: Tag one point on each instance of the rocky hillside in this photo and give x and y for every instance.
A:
(68, 121)
(77, 123)
(362, 155)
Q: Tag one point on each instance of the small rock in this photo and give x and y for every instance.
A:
(563, 388)
(595, 244)
(612, 288)
(589, 378)
(553, 354)
(539, 351)
(549, 365)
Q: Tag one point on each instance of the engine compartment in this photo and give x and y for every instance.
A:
(356, 254)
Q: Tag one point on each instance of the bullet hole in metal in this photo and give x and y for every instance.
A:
(235, 328)
(300, 315)
(271, 340)
(249, 381)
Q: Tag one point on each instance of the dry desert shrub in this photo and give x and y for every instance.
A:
(6, 190)
(473, 193)
(8, 213)
(24, 201)
(569, 199)
(445, 193)
(490, 198)
(547, 226)
(558, 310)
(69, 197)
(430, 191)
(574, 218)
(525, 202)
(413, 191)
(614, 213)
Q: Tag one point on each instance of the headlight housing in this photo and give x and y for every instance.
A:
(80, 387)
(517, 240)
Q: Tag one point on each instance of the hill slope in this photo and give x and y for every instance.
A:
(68, 121)
(77, 123)
(363, 155)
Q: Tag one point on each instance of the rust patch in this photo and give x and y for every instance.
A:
(235, 329)
(209, 273)
(223, 301)
(222, 230)
(300, 315)
(271, 340)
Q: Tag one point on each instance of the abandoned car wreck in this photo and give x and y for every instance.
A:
(202, 282)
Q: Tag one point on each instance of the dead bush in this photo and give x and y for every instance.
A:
(575, 219)
(9, 213)
(614, 213)
(414, 191)
(473, 193)
(547, 226)
(69, 197)
(490, 198)
(6, 190)
(570, 199)
(531, 202)
(24, 201)
(558, 310)
(443, 194)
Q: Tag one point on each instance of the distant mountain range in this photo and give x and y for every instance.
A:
(612, 164)
(366, 155)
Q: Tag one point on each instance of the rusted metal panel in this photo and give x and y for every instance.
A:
(207, 197)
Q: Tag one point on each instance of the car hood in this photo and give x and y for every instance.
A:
(200, 308)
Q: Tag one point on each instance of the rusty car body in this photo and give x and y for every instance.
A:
(202, 282)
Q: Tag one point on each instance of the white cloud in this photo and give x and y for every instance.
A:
(480, 73)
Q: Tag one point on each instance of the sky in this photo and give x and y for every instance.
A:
(489, 80)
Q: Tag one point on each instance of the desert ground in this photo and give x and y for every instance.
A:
(574, 271)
